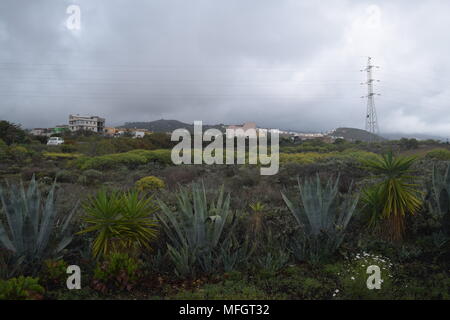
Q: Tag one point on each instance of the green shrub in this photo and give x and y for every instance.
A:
(296, 282)
(68, 148)
(66, 176)
(353, 278)
(61, 156)
(22, 288)
(149, 184)
(117, 272)
(93, 176)
(227, 290)
(18, 153)
(54, 273)
(3, 150)
(131, 159)
(439, 154)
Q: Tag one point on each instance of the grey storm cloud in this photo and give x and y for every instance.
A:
(282, 63)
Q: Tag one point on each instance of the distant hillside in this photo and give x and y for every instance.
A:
(353, 134)
(418, 136)
(166, 126)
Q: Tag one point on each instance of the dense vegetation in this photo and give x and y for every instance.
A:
(140, 227)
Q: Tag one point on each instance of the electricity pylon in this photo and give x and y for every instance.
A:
(371, 114)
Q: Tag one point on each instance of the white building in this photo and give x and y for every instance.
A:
(240, 131)
(90, 123)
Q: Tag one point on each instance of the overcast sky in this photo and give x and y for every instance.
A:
(281, 63)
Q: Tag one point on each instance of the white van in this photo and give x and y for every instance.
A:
(55, 141)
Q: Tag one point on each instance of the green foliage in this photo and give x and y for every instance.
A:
(54, 273)
(11, 133)
(118, 271)
(149, 184)
(226, 290)
(322, 218)
(396, 194)
(3, 150)
(131, 159)
(439, 154)
(302, 158)
(91, 177)
(32, 223)
(352, 278)
(120, 221)
(22, 288)
(60, 156)
(313, 157)
(196, 232)
(66, 176)
(295, 282)
(409, 144)
(18, 153)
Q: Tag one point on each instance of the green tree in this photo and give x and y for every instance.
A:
(11, 133)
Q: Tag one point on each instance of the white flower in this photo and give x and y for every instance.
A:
(337, 290)
(353, 278)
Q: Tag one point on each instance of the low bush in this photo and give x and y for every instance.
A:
(117, 272)
(61, 156)
(149, 184)
(439, 154)
(131, 159)
(22, 288)
(226, 290)
(54, 274)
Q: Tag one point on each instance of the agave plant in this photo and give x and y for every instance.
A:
(121, 221)
(322, 218)
(195, 230)
(397, 193)
(32, 224)
(441, 197)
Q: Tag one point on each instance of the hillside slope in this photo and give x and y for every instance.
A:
(353, 134)
(167, 126)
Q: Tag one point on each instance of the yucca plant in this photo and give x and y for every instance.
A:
(397, 194)
(322, 216)
(120, 221)
(195, 230)
(256, 218)
(31, 224)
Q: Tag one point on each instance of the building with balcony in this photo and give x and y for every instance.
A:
(89, 123)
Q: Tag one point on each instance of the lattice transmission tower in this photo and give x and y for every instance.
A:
(371, 114)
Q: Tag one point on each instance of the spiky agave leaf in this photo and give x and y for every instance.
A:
(31, 223)
(321, 216)
(197, 225)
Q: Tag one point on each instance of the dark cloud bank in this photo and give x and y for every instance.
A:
(285, 63)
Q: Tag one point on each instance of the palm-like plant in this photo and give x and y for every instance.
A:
(395, 195)
(120, 221)
(258, 209)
